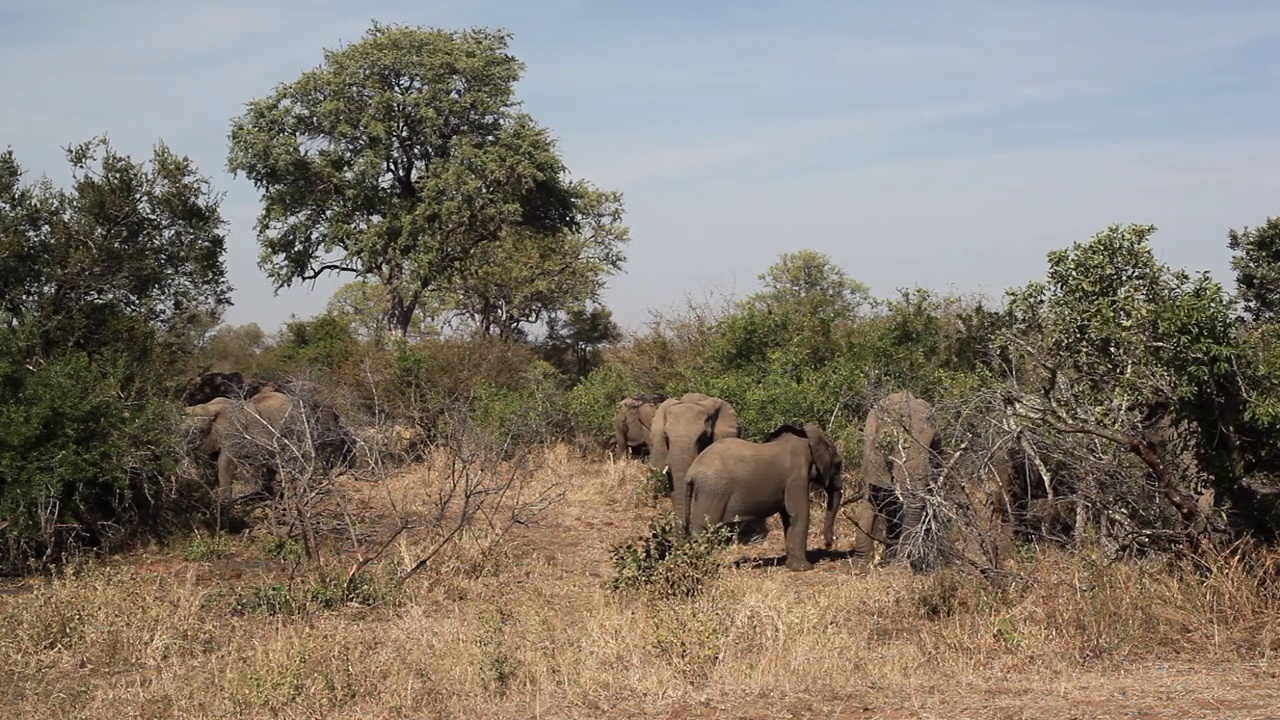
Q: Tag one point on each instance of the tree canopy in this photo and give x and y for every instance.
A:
(400, 158)
(128, 260)
(528, 277)
(364, 305)
(1256, 262)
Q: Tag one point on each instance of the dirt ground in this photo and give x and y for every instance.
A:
(149, 636)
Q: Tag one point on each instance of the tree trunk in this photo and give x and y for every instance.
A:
(401, 316)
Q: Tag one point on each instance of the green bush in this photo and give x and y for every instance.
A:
(79, 465)
(661, 565)
(533, 412)
(592, 403)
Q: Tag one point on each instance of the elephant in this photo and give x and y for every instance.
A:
(207, 386)
(896, 478)
(243, 433)
(632, 422)
(683, 427)
(744, 483)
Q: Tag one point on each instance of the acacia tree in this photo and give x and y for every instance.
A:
(399, 158)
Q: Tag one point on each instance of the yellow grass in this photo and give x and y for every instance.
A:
(533, 633)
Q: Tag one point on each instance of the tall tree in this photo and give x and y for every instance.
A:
(808, 283)
(365, 306)
(399, 158)
(575, 338)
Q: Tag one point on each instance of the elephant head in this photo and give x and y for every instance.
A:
(683, 427)
(900, 463)
(826, 468)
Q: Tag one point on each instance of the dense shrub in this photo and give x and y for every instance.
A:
(81, 462)
(104, 288)
(531, 412)
(660, 565)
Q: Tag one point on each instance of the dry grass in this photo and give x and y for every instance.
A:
(527, 630)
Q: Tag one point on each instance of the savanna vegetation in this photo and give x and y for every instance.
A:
(453, 533)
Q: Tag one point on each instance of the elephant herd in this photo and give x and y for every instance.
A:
(717, 477)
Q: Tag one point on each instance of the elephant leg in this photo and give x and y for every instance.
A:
(704, 512)
(222, 498)
(270, 482)
(753, 532)
(889, 515)
(865, 531)
(795, 520)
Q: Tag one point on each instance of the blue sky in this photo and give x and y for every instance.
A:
(948, 145)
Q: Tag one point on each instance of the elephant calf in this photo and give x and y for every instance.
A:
(743, 482)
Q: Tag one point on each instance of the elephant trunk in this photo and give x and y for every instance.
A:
(678, 461)
(828, 523)
(688, 505)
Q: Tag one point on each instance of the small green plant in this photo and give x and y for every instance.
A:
(371, 587)
(205, 548)
(285, 549)
(324, 594)
(662, 565)
(691, 634)
(940, 597)
(276, 599)
(1006, 631)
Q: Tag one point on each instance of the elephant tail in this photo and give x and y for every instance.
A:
(710, 510)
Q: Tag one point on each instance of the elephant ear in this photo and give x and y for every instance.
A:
(827, 462)
(657, 436)
(726, 421)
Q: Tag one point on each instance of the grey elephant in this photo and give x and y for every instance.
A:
(632, 422)
(900, 463)
(744, 483)
(683, 427)
(247, 433)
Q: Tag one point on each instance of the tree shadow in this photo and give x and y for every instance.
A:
(814, 556)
